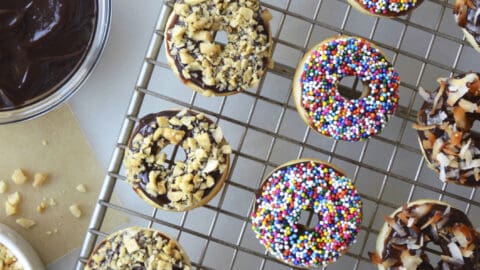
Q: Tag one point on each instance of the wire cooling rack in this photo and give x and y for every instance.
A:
(265, 131)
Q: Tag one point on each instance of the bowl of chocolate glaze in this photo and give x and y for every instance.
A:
(48, 48)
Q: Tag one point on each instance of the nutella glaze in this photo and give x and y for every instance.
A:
(444, 126)
(467, 15)
(415, 226)
(42, 43)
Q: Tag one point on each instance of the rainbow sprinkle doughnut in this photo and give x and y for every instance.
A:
(323, 108)
(299, 186)
(385, 8)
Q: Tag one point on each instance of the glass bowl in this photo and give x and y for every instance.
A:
(75, 80)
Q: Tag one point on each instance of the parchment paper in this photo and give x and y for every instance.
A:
(69, 161)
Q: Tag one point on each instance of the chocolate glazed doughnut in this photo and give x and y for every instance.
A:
(444, 129)
(467, 15)
(138, 248)
(403, 239)
(184, 184)
(211, 68)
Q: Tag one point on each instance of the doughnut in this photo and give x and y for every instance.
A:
(138, 248)
(211, 68)
(444, 125)
(317, 187)
(183, 184)
(316, 83)
(403, 240)
(467, 14)
(385, 8)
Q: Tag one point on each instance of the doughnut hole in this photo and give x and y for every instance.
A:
(352, 88)
(174, 153)
(221, 37)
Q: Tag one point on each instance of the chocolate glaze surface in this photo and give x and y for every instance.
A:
(42, 42)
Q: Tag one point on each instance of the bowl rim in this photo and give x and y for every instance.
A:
(74, 81)
(20, 248)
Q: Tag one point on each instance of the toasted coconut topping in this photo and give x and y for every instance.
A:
(412, 228)
(444, 124)
(467, 16)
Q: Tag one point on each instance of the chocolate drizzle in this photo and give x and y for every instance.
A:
(42, 42)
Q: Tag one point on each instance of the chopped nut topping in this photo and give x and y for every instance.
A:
(134, 246)
(81, 188)
(39, 179)
(25, 223)
(75, 210)
(19, 177)
(3, 187)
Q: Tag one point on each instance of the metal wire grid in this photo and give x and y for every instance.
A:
(388, 169)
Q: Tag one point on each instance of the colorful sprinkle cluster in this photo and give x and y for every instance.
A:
(331, 114)
(300, 187)
(383, 7)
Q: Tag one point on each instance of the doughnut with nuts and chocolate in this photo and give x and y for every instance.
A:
(403, 240)
(307, 185)
(444, 125)
(385, 8)
(467, 16)
(319, 103)
(211, 68)
(178, 185)
(138, 248)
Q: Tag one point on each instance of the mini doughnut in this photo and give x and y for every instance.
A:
(307, 185)
(467, 15)
(185, 184)
(212, 68)
(138, 248)
(403, 239)
(385, 8)
(316, 82)
(444, 125)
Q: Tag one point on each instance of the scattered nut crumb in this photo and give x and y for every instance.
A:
(19, 177)
(3, 187)
(52, 202)
(48, 232)
(82, 188)
(42, 207)
(44, 142)
(10, 210)
(14, 198)
(39, 179)
(25, 223)
(75, 210)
